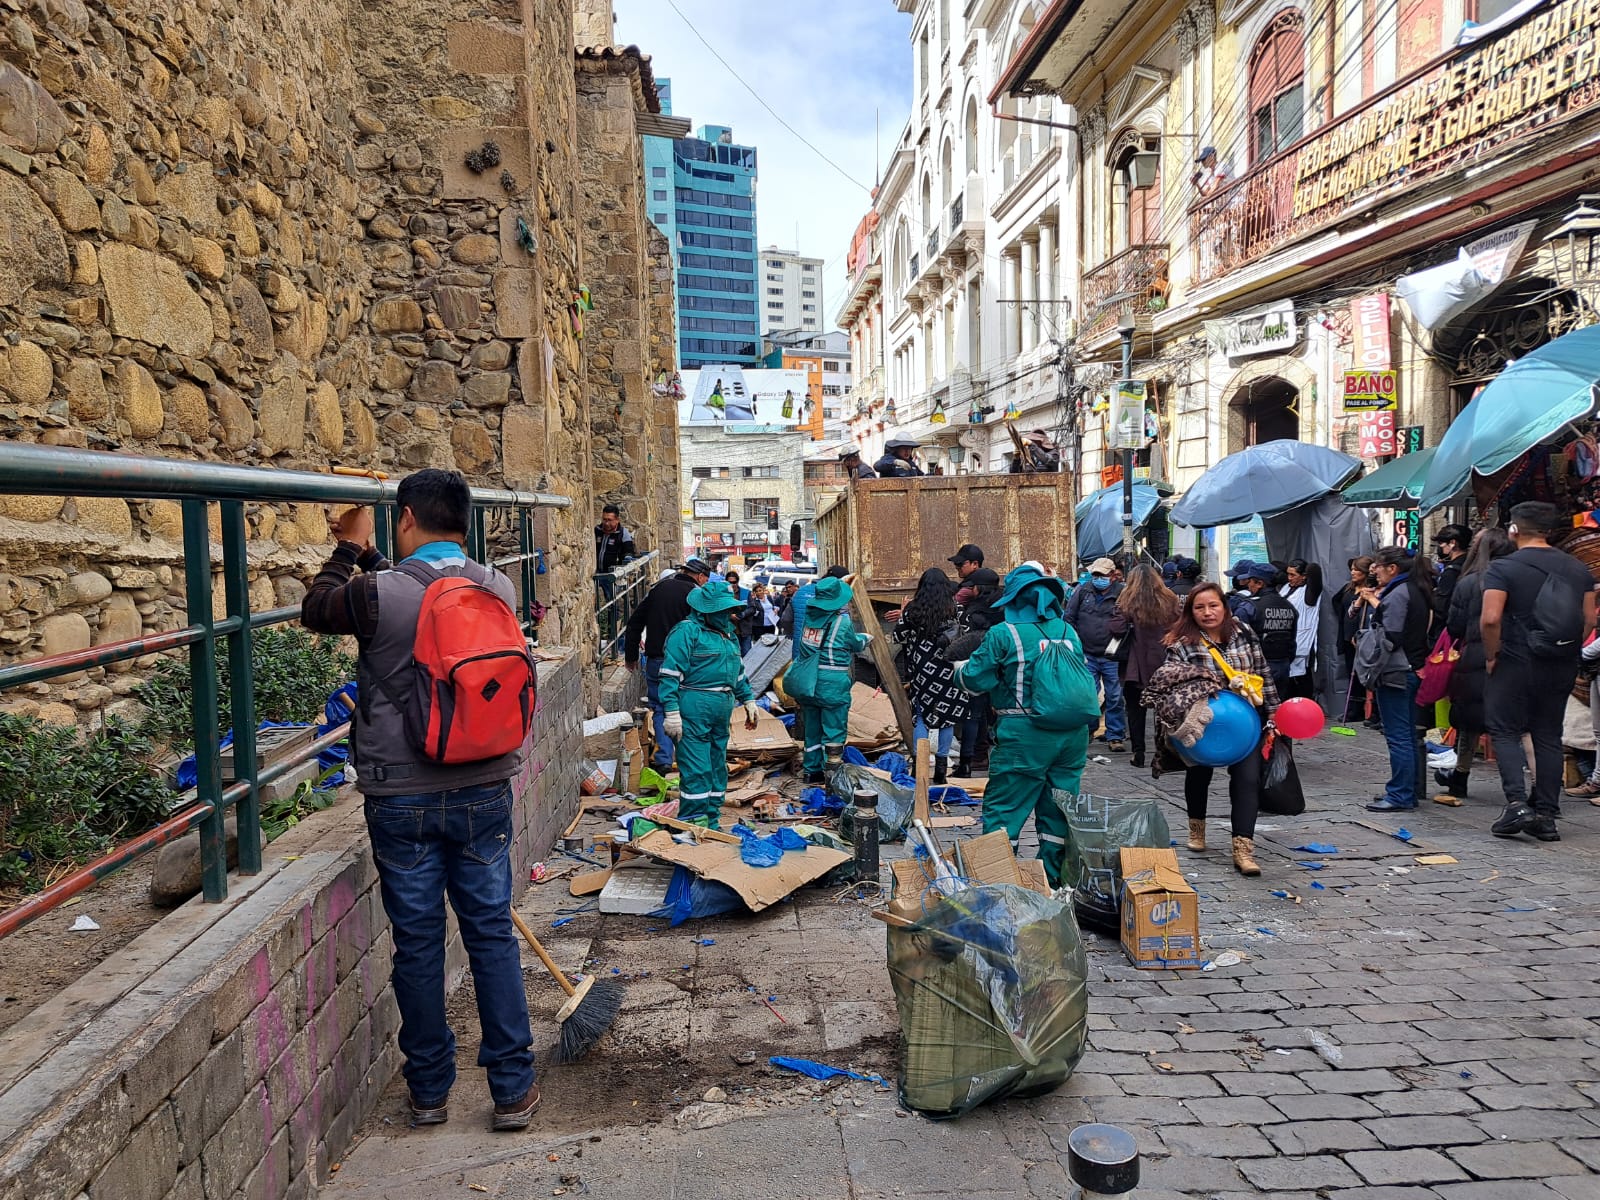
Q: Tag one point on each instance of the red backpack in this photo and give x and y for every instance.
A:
(473, 682)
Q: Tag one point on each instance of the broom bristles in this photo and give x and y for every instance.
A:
(590, 1020)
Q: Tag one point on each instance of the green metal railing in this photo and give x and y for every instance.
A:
(56, 471)
(616, 595)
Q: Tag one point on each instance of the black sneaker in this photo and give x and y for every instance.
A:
(1543, 828)
(1514, 820)
(517, 1114)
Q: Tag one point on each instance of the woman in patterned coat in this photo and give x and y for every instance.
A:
(926, 629)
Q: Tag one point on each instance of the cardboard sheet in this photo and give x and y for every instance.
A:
(759, 887)
(768, 741)
(872, 721)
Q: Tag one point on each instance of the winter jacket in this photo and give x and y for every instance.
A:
(1096, 618)
(1148, 652)
(890, 467)
(666, 604)
(929, 675)
(611, 550)
(1405, 615)
(1470, 676)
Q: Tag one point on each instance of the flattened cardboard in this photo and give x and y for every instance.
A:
(985, 859)
(759, 887)
(1160, 911)
(769, 739)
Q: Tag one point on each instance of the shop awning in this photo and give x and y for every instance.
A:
(1099, 518)
(1396, 484)
(1263, 481)
(1527, 404)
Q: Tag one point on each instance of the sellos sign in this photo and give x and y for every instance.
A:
(1369, 319)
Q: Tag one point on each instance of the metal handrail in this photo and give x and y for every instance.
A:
(617, 594)
(46, 470)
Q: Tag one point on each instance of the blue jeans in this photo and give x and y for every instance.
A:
(1105, 670)
(1408, 758)
(665, 750)
(946, 737)
(456, 843)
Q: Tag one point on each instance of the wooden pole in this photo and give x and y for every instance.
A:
(919, 807)
(882, 658)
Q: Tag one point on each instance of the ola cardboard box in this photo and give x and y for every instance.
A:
(1160, 911)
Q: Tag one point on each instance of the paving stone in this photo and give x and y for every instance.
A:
(1236, 1141)
(1173, 1086)
(1278, 1174)
(1402, 1132)
(1509, 1189)
(1585, 1150)
(1404, 1166)
(1319, 1137)
(1534, 1124)
(1516, 1160)
(1325, 1108)
(1382, 1193)
(1246, 1083)
(1357, 1083)
(1232, 1110)
(1530, 1095)
(1190, 1175)
(1575, 1187)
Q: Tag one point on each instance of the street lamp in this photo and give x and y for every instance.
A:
(1125, 328)
(1572, 252)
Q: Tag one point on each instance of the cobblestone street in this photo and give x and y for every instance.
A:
(1400, 1032)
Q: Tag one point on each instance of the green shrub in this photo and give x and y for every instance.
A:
(65, 799)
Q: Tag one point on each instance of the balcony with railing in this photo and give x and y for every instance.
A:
(957, 209)
(1469, 107)
(1135, 281)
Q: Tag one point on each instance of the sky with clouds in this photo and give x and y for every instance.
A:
(826, 66)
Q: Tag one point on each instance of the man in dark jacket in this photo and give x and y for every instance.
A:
(613, 545)
(899, 459)
(665, 605)
(1093, 612)
(850, 460)
(1275, 621)
(1450, 546)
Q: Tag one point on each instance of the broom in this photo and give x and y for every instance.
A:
(591, 1006)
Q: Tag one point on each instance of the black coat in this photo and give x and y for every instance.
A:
(890, 467)
(658, 612)
(1470, 676)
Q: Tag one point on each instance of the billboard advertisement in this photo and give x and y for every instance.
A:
(743, 400)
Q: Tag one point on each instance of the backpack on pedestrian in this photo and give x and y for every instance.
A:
(472, 685)
(1278, 624)
(1056, 690)
(1555, 624)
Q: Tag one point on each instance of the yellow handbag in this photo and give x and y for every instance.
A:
(1248, 685)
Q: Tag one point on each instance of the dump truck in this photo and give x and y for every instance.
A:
(891, 530)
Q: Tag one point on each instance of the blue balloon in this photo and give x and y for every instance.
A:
(1234, 732)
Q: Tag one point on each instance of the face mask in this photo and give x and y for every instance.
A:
(1101, 583)
(722, 622)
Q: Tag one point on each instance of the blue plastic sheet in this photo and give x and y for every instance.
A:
(758, 851)
(816, 1070)
(689, 898)
(1319, 848)
(819, 803)
(188, 773)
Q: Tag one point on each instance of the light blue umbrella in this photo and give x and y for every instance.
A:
(1528, 403)
(1099, 518)
(1262, 481)
(1396, 484)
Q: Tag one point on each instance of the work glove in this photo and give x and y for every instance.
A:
(672, 723)
(750, 715)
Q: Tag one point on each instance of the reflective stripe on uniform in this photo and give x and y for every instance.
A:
(700, 795)
(673, 673)
(1022, 663)
(1054, 841)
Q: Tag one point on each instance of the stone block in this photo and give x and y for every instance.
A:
(64, 633)
(400, 315)
(488, 391)
(434, 382)
(363, 429)
(192, 196)
(25, 370)
(522, 444)
(190, 412)
(75, 1150)
(234, 415)
(476, 249)
(85, 386)
(141, 399)
(486, 48)
(30, 119)
(239, 1145)
(473, 447)
(462, 183)
(150, 301)
(89, 587)
(491, 356)
(327, 416)
(146, 1167)
(252, 321)
(209, 259)
(515, 302)
(459, 308)
(283, 415)
(119, 620)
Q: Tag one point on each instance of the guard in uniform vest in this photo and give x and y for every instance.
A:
(1274, 619)
(702, 677)
(822, 674)
(1028, 762)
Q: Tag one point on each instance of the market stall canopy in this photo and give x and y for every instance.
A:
(1099, 518)
(1396, 484)
(1263, 481)
(1528, 403)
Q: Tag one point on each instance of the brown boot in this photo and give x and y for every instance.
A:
(1244, 856)
(1197, 834)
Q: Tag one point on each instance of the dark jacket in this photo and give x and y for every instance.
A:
(974, 619)
(1444, 585)
(890, 467)
(863, 471)
(611, 550)
(1096, 617)
(1276, 623)
(1470, 675)
(1040, 460)
(666, 605)
(1148, 652)
(1405, 613)
(1349, 615)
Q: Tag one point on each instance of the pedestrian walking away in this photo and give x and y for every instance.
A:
(927, 628)
(1092, 612)
(822, 674)
(1033, 758)
(439, 827)
(1538, 610)
(1205, 630)
(657, 615)
(1469, 678)
(1151, 609)
(1402, 614)
(702, 678)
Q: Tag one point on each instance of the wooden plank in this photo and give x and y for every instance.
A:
(919, 805)
(883, 659)
(589, 883)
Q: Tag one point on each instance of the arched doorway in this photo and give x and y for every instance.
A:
(1265, 410)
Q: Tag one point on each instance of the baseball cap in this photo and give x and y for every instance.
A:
(1102, 566)
(967, 554)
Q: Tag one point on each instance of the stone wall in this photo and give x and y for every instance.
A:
(662, 347)
(292, 234)
(629, 346)
(234, 1050)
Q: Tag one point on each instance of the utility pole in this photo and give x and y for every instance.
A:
(1125, 330)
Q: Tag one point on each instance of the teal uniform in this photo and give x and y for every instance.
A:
(1028, 763)
(702, 676)
(825, 720)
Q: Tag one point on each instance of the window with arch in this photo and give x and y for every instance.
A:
(1277, 86)
(927, 205)
(902, 259)
(1135, 211)
(970, 136)
(946, 174)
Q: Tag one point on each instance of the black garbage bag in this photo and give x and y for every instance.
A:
(990, 987)
(1281, 793)
(1101, 827)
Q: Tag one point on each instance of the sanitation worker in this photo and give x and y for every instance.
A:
(702, 677)
(1031, 667)
(820, 678)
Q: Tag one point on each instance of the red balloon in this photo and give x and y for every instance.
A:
(1300, 717)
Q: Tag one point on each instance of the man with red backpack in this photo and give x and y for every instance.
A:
(446, 700)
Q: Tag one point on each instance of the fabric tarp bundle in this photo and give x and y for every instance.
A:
(990, 988)
(1101, 827)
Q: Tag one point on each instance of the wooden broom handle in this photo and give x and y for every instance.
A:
(556, 972)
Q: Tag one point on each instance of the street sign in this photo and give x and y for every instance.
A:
(1370, 391)
(1377, 434)
(1408, 529)
(1408, 439)
(1127, 415)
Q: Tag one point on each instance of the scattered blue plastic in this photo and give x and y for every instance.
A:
(560, 921)
(816, 1070)
(1281, 895)
(788, 720)
(758, 851)
(690, 897)
(1404, 834)
(1265, 930)
(1321, 887)
(1311, 866)
(953, 796)
(1318, 848)
(772, 999)
(1467, 1075)
(819, 803)
(705, 941)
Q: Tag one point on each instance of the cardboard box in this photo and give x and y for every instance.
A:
(1160, 911)
(984, 859)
